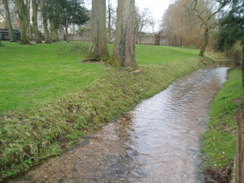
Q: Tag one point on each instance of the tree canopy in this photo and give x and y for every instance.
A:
(63, 13)
(231, 26)
(72, 12)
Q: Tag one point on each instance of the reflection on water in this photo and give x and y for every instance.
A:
(157, 142)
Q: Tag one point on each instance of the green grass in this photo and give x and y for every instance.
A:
(34, 74)
(150, 54)
(31, 75)
(50, 99)
(147, 54)
(219, 142)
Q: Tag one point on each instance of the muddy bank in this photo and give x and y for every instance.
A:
(157, 142)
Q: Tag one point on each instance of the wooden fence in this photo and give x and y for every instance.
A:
(239, 169)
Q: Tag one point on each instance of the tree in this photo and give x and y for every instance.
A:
(72, 13)
(231, 27)
(35, 4)
(63, 13)
(8, 21)
(98, 48)
(124, 45)
(152, 24)
(231, 30)
(205, 11)
(50, 12)
(181, 26)
(22, 13)
(44, 20)
(143, 19)
(28, 22)
(54, 30)
(110, 20)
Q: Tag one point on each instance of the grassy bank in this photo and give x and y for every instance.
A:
(219, 142)
(81, 97)
(32, 75)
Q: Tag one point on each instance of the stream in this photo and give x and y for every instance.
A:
(157, 142)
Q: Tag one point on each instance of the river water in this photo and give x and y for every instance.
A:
(158, 142)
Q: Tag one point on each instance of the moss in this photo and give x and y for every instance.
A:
(114, 61)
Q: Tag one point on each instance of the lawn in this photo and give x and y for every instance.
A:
(32, 75)
(148, 54)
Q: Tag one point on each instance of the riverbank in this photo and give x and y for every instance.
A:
(30, 135)
(219, 142)
(32, 75)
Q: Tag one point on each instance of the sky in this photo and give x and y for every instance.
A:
(156, 7)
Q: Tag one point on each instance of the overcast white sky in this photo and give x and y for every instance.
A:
(156, 7)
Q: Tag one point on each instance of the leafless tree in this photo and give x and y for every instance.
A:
(143, 19)
(111, 18)
(190, 22)
(205, 11)
(181, 26)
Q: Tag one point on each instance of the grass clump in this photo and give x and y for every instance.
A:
(219, 142)
(35, 132)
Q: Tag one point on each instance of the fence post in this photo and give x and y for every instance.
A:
(239, 159)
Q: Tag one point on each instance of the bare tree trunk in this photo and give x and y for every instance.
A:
(98, 48)
(8, 21)
(46, 32)
(21, 8)
(54, 32)
(205, 43)
(29, 29)
(66, 33)
(124, 46)
(38, 38)
(109, 20)
(44, 20)
(242, 63)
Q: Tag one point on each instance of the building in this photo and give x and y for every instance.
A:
(152, 39)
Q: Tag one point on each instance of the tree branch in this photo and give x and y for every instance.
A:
(1, 12)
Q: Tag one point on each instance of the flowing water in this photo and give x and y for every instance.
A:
(158, 142)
